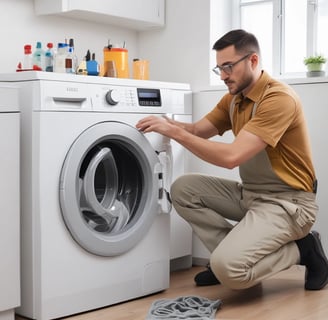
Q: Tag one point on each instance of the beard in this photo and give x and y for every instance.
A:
(235, 87)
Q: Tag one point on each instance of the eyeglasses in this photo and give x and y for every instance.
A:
(227, 68)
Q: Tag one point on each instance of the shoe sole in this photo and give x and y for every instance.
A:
(320, 252)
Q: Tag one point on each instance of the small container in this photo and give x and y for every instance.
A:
(120, 56)
(69, 62)
(73, 55)
(140, 69)
(49, 60)
(110, 69)
(39, 56)
(82, 68)
(93, 66)
(27, 60)
(60, 59)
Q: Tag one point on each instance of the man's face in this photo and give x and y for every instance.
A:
(235, 70)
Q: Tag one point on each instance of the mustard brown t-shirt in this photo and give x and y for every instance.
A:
(273, 112)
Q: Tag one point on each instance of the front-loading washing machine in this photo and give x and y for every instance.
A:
(95, 206)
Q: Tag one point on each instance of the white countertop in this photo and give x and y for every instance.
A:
(52, 76)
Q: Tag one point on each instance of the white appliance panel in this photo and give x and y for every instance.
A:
(181, 232)
(9, 204)
(314, 100)
(59, 277)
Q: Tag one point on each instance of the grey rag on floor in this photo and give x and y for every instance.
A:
(189, 307)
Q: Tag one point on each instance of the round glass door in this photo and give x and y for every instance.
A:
(109, 188)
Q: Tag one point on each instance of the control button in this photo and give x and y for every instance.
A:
(112, 97)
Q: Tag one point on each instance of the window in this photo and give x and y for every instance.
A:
(322, 26)
(254, 18)
(287, 30)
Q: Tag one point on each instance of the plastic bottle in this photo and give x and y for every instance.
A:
(73, 55)
(49, 58)
(27, 60)
(69, 62)
(60, 58)
(93, 66)
(39, 56)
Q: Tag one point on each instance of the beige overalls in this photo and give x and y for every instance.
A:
(250, 231)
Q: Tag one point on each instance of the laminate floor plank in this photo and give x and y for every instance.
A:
(281, 297)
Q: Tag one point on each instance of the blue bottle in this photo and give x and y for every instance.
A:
(49, 58)
(39, 56)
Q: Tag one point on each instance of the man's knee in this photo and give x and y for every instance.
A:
(230, 270)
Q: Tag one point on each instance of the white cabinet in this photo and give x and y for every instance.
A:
(314, 100)
(9, 204)
(134, 14)
(181, 233)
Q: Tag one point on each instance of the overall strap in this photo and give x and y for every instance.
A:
(232, 108)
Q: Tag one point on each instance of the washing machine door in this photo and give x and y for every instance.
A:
(109, 188)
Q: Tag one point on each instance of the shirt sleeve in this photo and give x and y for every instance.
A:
(273, 117)
(219, 116)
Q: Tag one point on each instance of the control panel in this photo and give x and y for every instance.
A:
(145, 97)
(107, 97)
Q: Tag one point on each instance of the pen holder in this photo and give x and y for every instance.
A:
(140, 69)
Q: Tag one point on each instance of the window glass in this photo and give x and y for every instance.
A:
(322, 27)
(294, 47)
(257, 19)
(287, 30)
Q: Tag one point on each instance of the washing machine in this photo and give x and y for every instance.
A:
(9, 203)
(95, 203)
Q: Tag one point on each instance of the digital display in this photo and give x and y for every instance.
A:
(149, 97)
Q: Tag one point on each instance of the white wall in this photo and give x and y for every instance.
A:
(19, 26)
(182, 51)
(179, 52)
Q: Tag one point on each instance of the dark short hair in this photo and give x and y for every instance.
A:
(244, 42)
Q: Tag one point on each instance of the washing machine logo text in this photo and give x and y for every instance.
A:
(72, 89)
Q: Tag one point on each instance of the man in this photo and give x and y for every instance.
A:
(274, 205)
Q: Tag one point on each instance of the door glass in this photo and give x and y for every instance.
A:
(117, 184)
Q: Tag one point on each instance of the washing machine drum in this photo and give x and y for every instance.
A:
(109, 188)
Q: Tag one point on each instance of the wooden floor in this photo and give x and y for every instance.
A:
(281, 297)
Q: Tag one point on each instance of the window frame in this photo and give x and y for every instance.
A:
(278, 21)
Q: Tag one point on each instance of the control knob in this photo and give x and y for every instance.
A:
(112, 97)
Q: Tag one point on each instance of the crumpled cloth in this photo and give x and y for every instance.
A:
(188, 307)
